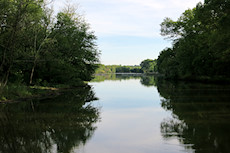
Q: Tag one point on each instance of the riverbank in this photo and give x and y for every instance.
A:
(19, 92)
(201, 79)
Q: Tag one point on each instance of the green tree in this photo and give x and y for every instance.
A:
(14, 17)
(75, 48)
(200, 42)
(35, 50)
(36, 40)
(166, 63)
(148, 66)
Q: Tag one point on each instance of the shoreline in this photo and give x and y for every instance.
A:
(36, 92)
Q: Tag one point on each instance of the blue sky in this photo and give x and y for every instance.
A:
(128, 31)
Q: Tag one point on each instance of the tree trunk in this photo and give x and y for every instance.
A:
(5, 80)
(32, 72)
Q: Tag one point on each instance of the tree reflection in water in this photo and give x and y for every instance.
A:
(116, 76)
(200, 115)
(148, 80)
(60, 124)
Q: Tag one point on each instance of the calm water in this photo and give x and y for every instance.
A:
(122, 114)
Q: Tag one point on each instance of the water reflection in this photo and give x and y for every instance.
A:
(60, 124)
(146, 80)
(116, 76)
(193, 116)
(200, 115)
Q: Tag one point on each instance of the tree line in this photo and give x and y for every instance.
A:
(201, 42)
(106, 69)
(146, 66)
(37, 48)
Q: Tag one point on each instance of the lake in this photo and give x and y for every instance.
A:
(122, 114)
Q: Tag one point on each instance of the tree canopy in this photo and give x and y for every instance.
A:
(148, 66)
(106, 69)
(201, 40)
(35, 50)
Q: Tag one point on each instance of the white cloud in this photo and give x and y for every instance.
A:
(124, 18)
(130, 17)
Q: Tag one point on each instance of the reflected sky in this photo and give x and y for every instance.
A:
(126, 94)
(130, 120)
(140, 114)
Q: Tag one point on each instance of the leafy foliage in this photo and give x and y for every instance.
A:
(36, 50)
(148, 66)
(105, 69)
(200, 42)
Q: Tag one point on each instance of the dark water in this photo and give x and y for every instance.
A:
(59, 124)
(134, 114)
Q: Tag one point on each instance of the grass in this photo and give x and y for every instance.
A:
(13, 91)
(17, 92)
(44, 88)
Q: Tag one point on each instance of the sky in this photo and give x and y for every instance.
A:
(128, 31)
